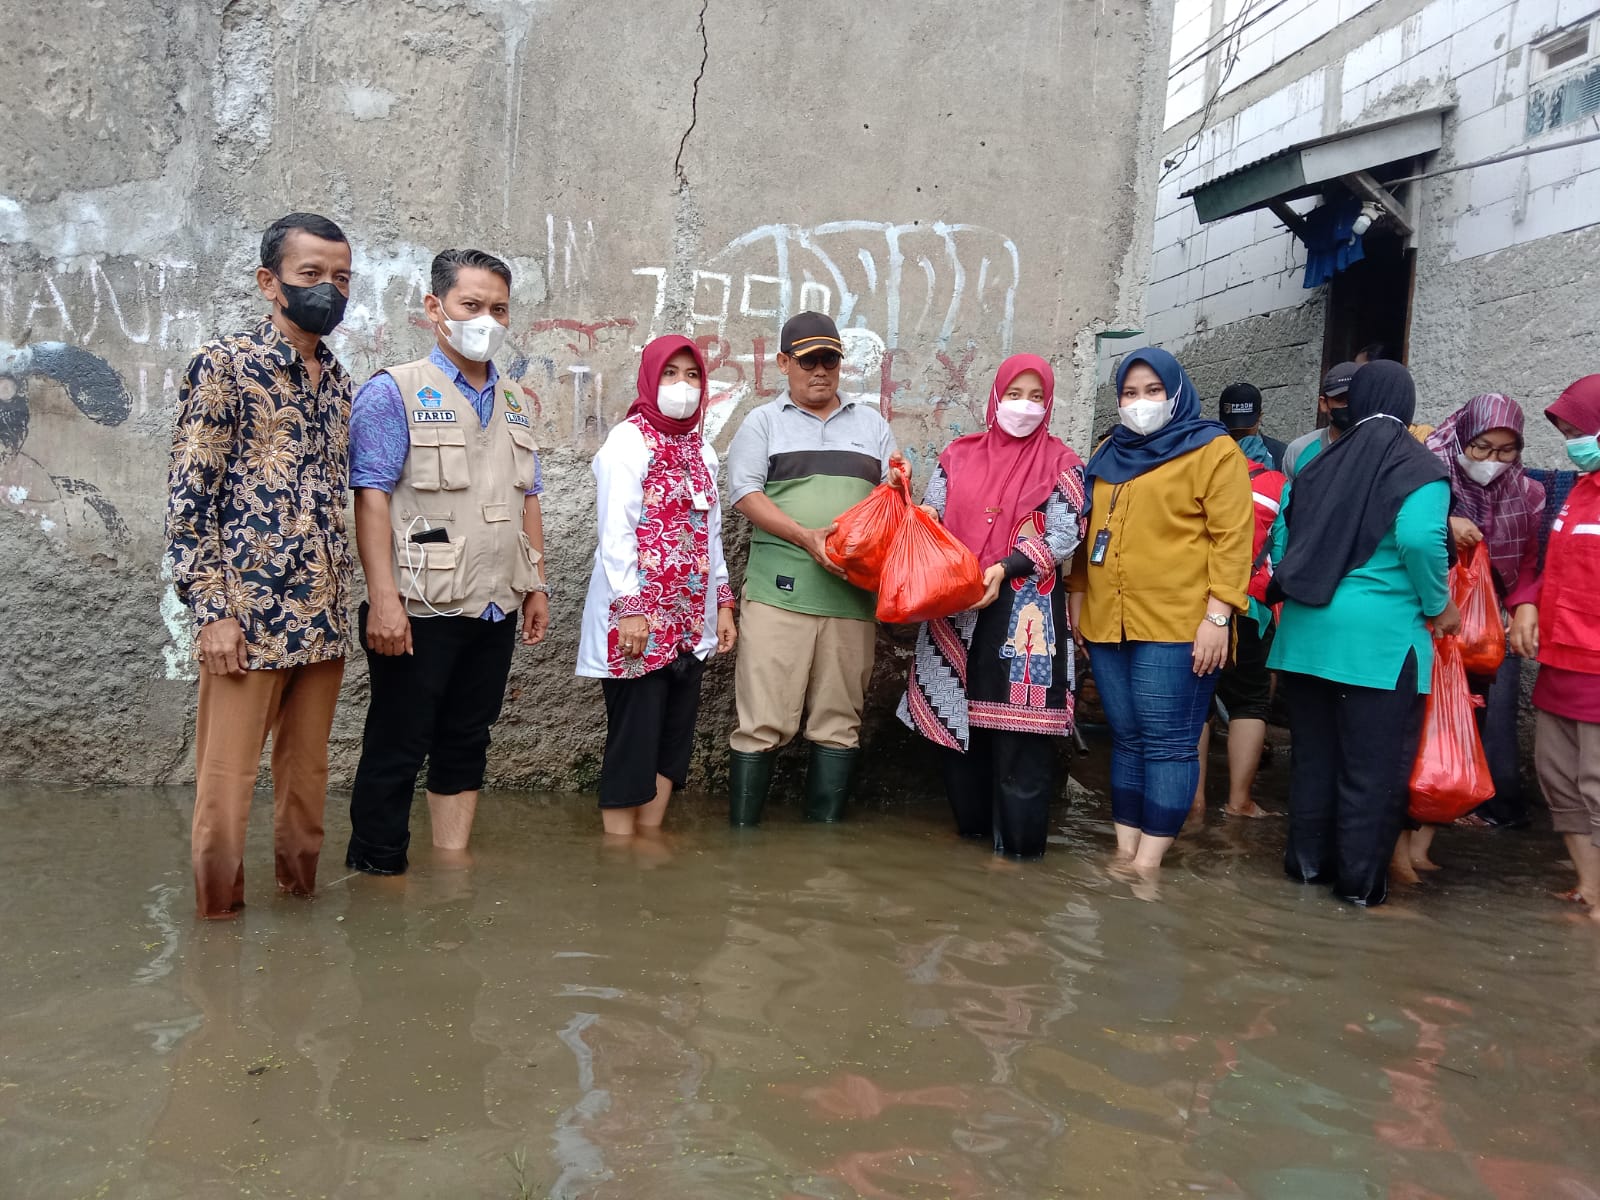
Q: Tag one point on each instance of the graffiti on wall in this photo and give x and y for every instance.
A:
(30, 478)
(916, 303)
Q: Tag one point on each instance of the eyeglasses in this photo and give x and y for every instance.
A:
(1480, 451)
(826, 359)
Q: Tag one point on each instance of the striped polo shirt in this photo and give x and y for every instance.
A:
(813, 469)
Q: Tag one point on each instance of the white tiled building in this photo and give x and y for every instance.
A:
(1484, 279)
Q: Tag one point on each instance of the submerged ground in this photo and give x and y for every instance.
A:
(870, 1010)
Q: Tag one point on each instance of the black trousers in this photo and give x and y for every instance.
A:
(649, 731)
(1349, 779)
(1000, 789)
(435, 704)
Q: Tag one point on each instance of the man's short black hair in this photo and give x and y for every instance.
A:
(1375, 351)
(316, 226)
(447, 266)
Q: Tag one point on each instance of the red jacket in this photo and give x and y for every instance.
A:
(1569, 613)
(1266, 491)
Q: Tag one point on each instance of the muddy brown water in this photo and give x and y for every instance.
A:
(869, 1010)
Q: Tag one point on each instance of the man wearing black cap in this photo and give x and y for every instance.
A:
(1332, 404)
(806, 637)
(1240, 410)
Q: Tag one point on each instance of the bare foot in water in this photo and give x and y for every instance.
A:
(1145, 888)
(1401, 871)
(1253, 810)
(1425, 864)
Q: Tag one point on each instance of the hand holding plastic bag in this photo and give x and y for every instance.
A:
(1483, 632)
(928, 572)
(1451, 776)
(863, 533)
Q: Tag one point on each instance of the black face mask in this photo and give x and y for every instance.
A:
(1339, 418)
(317, 309)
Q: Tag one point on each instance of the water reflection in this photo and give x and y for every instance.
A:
(786, 1012)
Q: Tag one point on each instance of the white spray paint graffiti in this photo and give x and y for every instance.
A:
(151, 304)
(901, 280)
(914, 302)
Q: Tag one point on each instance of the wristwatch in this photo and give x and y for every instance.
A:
(1220, 620)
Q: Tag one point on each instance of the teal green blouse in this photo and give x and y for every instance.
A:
(1378, 612)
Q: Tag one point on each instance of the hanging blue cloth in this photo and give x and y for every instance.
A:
(1331, 241)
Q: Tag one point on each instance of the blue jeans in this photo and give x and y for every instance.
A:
(1156, 706)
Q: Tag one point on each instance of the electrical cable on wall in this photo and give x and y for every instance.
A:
(1234, 36)
(1204, 50)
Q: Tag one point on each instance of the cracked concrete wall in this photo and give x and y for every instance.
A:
(951, 180)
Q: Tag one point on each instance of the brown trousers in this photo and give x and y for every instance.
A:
(295, 705)
(792, 666)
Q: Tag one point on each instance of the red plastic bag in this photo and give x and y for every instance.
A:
(1483, 632)
(1451, 776)
(863, 533)
(927, 573)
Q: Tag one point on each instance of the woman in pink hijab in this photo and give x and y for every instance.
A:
(993, 685)
(659, 603)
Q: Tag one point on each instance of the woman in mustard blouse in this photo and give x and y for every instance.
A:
(1155, 584)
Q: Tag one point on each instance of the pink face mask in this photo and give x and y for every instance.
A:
(1019, 418)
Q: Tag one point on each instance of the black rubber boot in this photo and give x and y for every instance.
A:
(749, 781)
(828, 782)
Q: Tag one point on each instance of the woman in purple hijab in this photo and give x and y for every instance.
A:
(1492, 501)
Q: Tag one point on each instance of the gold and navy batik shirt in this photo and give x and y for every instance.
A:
(256, 496)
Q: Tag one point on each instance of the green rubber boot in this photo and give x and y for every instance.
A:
(749, 781)
(828, 782)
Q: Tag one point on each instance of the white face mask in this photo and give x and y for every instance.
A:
(1144, 417)
(1482, 473)
(678, 401)
(476, 339)
(1019, 418)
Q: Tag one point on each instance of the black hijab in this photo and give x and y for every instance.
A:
(1344, 502)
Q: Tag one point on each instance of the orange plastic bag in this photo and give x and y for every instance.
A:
(863, 533)
(1451, 776)
(928, 572)
(1483, 632)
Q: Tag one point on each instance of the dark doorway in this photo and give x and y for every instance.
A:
(1371, 301)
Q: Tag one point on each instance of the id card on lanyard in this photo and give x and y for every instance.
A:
(1102, 540)
(698, 500)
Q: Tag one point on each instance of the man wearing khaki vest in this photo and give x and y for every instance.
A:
(446, 475)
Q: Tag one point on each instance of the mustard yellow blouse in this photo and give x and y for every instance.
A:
(1179, 533)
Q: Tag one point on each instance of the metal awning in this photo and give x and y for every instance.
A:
(1303, 169)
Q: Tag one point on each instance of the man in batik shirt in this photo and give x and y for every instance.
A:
(257, 547)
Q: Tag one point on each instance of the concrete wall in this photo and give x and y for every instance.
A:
(938, 176)
(1506, 255)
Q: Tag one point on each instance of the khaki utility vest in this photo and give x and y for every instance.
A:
(468, 480)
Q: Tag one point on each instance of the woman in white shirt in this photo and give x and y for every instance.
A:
(659, 603)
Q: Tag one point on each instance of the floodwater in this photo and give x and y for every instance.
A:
(868, 1010)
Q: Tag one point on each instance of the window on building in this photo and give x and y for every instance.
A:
(1562, 50)
(1564, 85)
